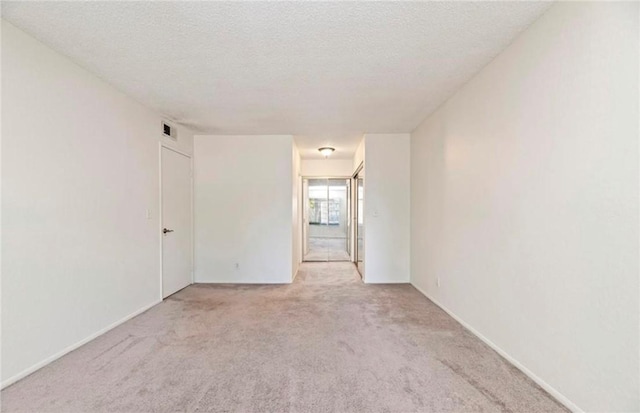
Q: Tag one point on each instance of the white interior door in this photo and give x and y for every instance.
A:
(176, 221)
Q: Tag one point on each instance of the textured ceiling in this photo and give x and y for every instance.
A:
(326, 72)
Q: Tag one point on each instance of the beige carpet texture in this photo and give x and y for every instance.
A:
(326, 343)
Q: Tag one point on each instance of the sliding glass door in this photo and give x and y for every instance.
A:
(359, 221)
(326, 226)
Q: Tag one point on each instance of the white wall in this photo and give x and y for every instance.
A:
(358, 157)
(79, 169)
(386, 208)
(243, 214)
(525, 204)
(327, 167)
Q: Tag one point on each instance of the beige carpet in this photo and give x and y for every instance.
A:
(326, 343)
(327, 249)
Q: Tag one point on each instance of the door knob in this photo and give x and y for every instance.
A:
(164, 230)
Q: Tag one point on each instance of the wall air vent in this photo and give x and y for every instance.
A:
(169, 131)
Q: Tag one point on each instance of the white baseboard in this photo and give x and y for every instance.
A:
(546, 386)
(72, 347)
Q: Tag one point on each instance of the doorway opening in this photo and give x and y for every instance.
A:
(326, 219)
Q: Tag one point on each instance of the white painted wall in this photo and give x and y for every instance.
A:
(79, 169)
(386, 208)
(524, 190)
(358, 157)
(296, 206)
(327, 167)
(243, 213)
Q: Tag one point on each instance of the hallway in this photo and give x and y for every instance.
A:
(327, 249)
(327, 342)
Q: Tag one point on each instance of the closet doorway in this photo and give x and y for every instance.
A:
(326, 219)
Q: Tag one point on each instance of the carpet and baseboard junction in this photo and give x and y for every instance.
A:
(325, 343)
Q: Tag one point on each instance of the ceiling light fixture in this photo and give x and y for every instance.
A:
(326, 151)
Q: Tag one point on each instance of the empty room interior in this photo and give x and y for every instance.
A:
(320, 206)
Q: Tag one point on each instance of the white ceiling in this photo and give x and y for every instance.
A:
(326, 72)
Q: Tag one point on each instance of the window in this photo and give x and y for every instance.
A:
(324, 212)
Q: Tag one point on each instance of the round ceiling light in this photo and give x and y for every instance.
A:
(326, 151)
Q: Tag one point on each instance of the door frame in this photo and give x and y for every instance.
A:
(354, 183)
(160, 223)
(302, 224)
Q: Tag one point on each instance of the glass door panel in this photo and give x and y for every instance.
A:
(338, 220)
(318, 216)
(360, 222)
(326, 234)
